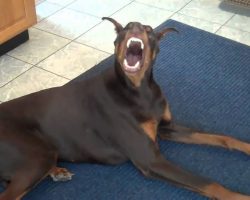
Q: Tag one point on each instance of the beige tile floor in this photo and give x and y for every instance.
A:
(70, 36)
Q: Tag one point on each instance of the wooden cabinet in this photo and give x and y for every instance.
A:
(15, 17)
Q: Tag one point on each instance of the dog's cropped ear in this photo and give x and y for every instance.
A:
(162, 33)
(118, 26)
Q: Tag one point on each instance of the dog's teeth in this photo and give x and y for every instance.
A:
(133, 39)
(128, 42)
(133, 67)
(125, 62)
(137, 64)
(142, 45)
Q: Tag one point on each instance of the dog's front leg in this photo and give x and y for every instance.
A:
(186, 135)
(145, 155)
(169, 131)
(162, 169)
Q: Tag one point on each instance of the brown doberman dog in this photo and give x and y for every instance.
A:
(110, 118)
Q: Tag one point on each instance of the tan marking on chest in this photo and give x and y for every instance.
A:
(150, 129)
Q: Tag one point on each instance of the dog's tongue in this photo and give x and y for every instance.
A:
(132, 59)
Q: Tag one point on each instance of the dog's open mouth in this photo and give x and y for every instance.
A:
(133, 55)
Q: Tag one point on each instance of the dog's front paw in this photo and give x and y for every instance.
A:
(61, 174)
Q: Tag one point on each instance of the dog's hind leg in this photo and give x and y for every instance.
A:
(27, 176)
(186, 135)
(25, 160)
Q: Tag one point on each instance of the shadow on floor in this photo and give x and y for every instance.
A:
(235, 8)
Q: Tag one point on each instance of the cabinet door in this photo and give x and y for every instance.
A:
(15, 17)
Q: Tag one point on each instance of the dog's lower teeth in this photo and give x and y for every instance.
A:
(133, 67)
(137, 64)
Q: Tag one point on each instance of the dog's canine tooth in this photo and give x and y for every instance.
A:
(137, 64)
(142, 45)
(128, 42)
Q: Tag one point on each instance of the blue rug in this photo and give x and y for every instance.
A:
(207, 81)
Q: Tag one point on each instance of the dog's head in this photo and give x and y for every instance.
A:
(136, 47)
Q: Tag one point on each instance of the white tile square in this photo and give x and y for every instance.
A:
(95, 37)
(38, 1)
(73, 60)
(240, 22)
(31, 81)
(68, 23)
(235, 34)
(10, 68)
(39, 46)
(46, 9)
(99, 8)
(198, 23)
(145, 14)
(208, 10)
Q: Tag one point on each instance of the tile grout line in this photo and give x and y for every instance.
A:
(51, 33)
(24, 73)
(19, 59)
(225, 23)
(17, 76)
(86, 13)
(93, 47)
(198, 18)
(122, 8)
(32, 66)
(52, 72)
(239, 29)
(180, 9)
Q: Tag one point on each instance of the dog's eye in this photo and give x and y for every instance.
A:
(148, 28)
(151, 37)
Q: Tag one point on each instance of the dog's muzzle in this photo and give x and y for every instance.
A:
(133, 55)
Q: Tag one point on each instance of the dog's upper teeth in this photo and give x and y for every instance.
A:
(134, 39)
(142, 45)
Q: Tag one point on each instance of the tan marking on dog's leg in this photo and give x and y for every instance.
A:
(218, 192)
(150, 128)
(185, 135)
(22, 195)
(167, 116)
(219, 140)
